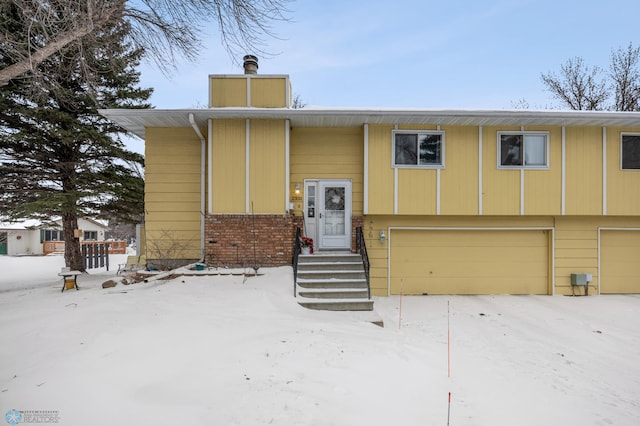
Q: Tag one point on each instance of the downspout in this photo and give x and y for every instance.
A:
(202, 183)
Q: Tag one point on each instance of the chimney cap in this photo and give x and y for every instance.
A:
(250, 64)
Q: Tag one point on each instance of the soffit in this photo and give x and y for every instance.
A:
(136, 120)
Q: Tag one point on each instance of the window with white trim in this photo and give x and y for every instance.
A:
(519, 150)
(419, 149)
(630, 151)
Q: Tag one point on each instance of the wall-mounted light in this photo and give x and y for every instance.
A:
(297, 188)
(382, 237)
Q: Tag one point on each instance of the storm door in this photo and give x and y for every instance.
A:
(334, 215)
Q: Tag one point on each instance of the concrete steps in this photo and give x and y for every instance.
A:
(332, 282)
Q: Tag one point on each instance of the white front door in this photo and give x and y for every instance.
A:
(334, 214)
(327, 213)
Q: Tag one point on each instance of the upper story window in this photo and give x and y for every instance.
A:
(90, 235)
(423, 149)
(523, 150)
(630, 151)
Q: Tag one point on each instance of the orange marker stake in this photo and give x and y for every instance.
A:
(449, 409)
(448, 342)
(400, 314)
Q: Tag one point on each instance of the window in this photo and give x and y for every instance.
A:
(418, 149)
(523, 150)
(90, 235)
(630, 152)
(53, 235)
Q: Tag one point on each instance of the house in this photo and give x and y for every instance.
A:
(33, 237)
(449, 201)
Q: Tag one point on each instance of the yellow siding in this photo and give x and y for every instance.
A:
(228, 161)
(172, 193)
(268, 92)
(500, 187)
(622, 185)
(543, 188)
(267, 166)
(417, 190)
(329, 153)
(381, 174)
(459, 178)
(583, 171)
(228, 91)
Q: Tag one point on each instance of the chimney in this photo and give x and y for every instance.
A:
(250, 64)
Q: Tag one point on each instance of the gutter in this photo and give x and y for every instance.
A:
(202, 183)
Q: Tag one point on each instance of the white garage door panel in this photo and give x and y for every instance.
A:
(619, 261)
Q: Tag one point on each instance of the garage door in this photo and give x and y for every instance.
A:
(469, 262)
(620, 262)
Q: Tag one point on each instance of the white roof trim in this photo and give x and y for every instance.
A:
(136, 120)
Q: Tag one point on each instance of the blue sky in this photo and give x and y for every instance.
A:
(468, 54)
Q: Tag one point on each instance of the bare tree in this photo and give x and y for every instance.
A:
(163, 28)
(626, 78)
(298, 103)
(578, 86)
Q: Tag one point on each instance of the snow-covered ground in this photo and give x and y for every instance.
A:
(230, 350)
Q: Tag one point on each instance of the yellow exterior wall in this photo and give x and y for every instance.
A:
(263, 91)
(381, 174)
(500, 187)
(459, 178)
(172, 193)
(268, 92)
(574, 241)
(228, 91)
(623, 186)
(267, 166)
(583, 171)
(543, 188)
(228, 160)
(328, 153)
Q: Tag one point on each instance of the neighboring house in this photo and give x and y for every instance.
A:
(450, 201)
(33, 237)
(20, 238)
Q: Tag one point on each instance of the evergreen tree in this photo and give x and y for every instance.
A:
(58, 156)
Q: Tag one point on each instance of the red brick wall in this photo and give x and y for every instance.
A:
(250, 240)
(274, 235)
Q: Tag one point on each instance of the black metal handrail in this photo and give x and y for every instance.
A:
(361, 247)
(296, 252)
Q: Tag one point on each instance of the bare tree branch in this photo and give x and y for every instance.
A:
(578, 86)
(626, 78)
(165, 29)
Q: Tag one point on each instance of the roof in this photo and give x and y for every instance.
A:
(135, 120)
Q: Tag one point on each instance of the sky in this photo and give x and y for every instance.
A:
(460, 54)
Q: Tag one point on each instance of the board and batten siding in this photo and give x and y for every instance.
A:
(267, 165)
(228, 162)
(583, 171)
(623, 186)
(249, 90)
(459, 178)
(381, 174)
(268, 92)
(228, 92)
(172, 193)
(328, 153)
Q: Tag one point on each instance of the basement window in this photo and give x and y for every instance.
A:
(630, 151)
(528, 150)
(413, 149)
